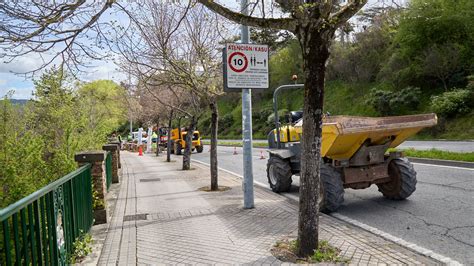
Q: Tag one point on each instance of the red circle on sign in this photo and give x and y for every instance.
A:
(244, 63)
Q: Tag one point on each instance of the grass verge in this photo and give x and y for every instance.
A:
(440, 155)
(236, 144)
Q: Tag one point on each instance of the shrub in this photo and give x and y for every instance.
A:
(391, 103)
(82, 247)
(454, 102)
(226, 121)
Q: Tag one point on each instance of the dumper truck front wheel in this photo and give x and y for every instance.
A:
(199, 149)
(178, 148)
(402, 180)
(331, 189)
(279, 174)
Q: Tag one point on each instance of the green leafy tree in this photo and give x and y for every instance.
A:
(38, 141)
(103, 109)
(284, 63)
(433, 23)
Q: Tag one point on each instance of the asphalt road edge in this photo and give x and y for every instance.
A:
(418, 249)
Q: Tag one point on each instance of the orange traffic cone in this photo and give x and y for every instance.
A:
(262, 157)
(235, 151)
(140, 151)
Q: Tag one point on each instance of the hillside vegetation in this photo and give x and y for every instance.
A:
(38, 139)
(406, 61)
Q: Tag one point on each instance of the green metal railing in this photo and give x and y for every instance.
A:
(108, 169)
(41, 228)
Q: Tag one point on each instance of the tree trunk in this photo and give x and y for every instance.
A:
(168, 144)
(158, 142)
(189, 144)
(214, 127)
(315, 47)
(444, 84)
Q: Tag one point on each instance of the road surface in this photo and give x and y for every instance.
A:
(438, 216)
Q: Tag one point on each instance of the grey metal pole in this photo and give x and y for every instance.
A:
(275, 107)
(247, 126)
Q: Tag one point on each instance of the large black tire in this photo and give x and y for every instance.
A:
(402, 180)
(172, 147)
(178, 148)
(199, 149)
(279, 174)
(332, 188)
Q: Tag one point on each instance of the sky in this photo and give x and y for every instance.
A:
(23, 87)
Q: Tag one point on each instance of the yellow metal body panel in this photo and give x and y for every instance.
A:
(175, 137)
(344, 135)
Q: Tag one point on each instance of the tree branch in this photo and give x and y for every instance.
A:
(346, 12)
(274, 23)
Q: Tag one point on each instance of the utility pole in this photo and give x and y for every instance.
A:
(247, 125)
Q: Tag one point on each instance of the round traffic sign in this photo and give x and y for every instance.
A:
(238, 62)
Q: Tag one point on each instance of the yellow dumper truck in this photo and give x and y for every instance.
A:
(178, 141)
(354, 155)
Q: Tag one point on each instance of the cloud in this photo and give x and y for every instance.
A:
(104, 70)
(21, 64)
(11, 82)
(18, 93)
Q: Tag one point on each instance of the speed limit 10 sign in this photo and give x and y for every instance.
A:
(245, 66)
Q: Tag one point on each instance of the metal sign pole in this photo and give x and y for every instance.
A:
(247, 126)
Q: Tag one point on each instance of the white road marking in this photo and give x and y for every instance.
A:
(445, 166)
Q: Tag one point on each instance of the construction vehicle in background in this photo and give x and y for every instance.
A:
(178, 141)
(354, 154)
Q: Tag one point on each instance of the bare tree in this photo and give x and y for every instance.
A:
(178, 46)
(175, 99)
(442, 62)
(55, 30)
(314, 22)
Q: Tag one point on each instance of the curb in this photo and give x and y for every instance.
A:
(411, 246)
(442, 162)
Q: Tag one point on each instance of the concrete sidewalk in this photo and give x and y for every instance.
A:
(160, 217)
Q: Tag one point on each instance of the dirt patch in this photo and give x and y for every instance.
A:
(219, 189)
(285, 251)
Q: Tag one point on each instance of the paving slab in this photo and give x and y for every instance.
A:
(161, 217)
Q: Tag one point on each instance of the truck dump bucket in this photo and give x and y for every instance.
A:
(344, 135)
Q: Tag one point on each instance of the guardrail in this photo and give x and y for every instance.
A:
(108, 169)
(41, 228)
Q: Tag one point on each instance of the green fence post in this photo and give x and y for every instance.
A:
(115, 159)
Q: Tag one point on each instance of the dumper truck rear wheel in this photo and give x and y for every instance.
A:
(402, 180)
(279, 174)
(331, 190)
